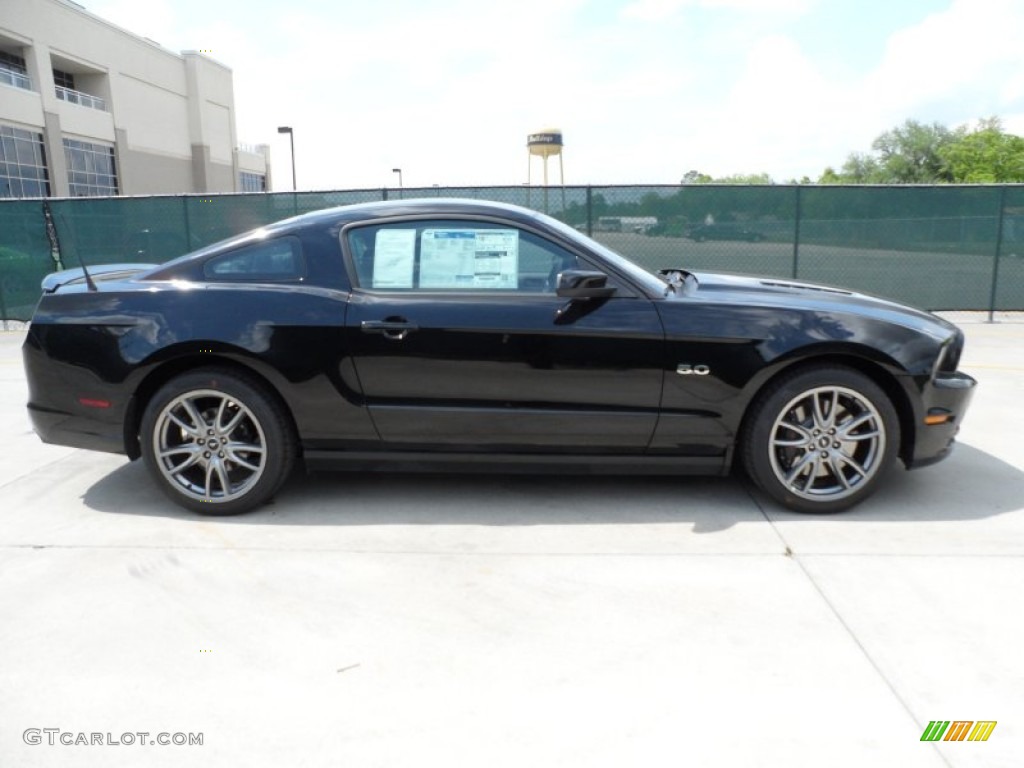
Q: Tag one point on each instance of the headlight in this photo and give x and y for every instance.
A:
(948, 358)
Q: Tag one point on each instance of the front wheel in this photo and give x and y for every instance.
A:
(820, 440)
(217, 442)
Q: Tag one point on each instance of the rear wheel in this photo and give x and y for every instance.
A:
(217, 442)
(820, 440)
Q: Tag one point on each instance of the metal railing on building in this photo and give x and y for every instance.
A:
(253, 149)
(17, 79)
(83, 99)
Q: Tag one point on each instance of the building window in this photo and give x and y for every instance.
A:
(64, 79)
(253, 182)
(22, 164)
(91, 168)
(13, 71)
(13, 62)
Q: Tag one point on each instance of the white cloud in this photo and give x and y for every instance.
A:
(448, 98)
(779, 117)
(962, 63)
(652, 10)
(449, 90)
(659, 10)
(783, 116)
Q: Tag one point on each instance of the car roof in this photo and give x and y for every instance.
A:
(410, 207)
(346, 214)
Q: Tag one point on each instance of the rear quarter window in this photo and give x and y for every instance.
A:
(278, 260)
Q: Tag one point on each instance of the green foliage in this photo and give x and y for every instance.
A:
(829, 176)
(916, 153)
(745, 178)
(696, 177)
(911, 154)
(985, 155)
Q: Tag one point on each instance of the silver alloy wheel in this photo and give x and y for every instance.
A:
(827, 443)
(209, 446)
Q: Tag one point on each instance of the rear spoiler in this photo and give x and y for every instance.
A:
(99, 273)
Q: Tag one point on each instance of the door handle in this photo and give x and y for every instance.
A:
(394, 329)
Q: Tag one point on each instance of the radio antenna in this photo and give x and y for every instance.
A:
(74, 247)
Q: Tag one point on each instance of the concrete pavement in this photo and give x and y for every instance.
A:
(399, 620)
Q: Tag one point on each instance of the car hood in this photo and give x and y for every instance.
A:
(792, 294)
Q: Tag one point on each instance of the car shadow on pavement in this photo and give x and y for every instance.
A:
(970, 485)
(408, 498)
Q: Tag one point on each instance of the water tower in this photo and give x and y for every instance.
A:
(545, 144)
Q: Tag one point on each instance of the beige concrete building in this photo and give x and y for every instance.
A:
(87, 108)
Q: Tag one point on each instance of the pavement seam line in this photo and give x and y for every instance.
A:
(839, 617)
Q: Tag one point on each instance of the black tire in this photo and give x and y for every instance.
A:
(234, 458)
(820, 439)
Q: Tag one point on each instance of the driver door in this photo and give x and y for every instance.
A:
(459, 344)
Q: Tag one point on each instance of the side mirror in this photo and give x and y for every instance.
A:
(583, 284)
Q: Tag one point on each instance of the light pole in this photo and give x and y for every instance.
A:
(291, 137)
(399, 172)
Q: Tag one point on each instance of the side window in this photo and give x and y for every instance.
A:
(455, 256)
(269, 261)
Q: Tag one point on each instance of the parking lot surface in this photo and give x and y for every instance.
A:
(397, 620)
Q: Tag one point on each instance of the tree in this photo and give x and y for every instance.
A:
(861, 169)
(985, 155)
(915, 153)
(829, 176)
(908, 154)
(696, 177)
(745, 178)
(912, 153)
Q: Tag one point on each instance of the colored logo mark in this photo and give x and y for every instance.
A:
(958, 730)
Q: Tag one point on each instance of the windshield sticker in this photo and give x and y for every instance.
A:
(469, 258)
(393, 258)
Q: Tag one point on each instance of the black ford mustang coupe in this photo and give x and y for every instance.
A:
(452, 334)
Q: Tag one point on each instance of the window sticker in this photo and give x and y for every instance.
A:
(470, 258)
(394, 253)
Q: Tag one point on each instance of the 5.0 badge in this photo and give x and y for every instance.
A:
(692, 370)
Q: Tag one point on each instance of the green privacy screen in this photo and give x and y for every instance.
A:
(941, 247)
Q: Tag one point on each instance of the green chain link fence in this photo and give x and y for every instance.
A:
(940, 248)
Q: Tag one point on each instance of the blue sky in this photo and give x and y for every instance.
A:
(643, 90)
